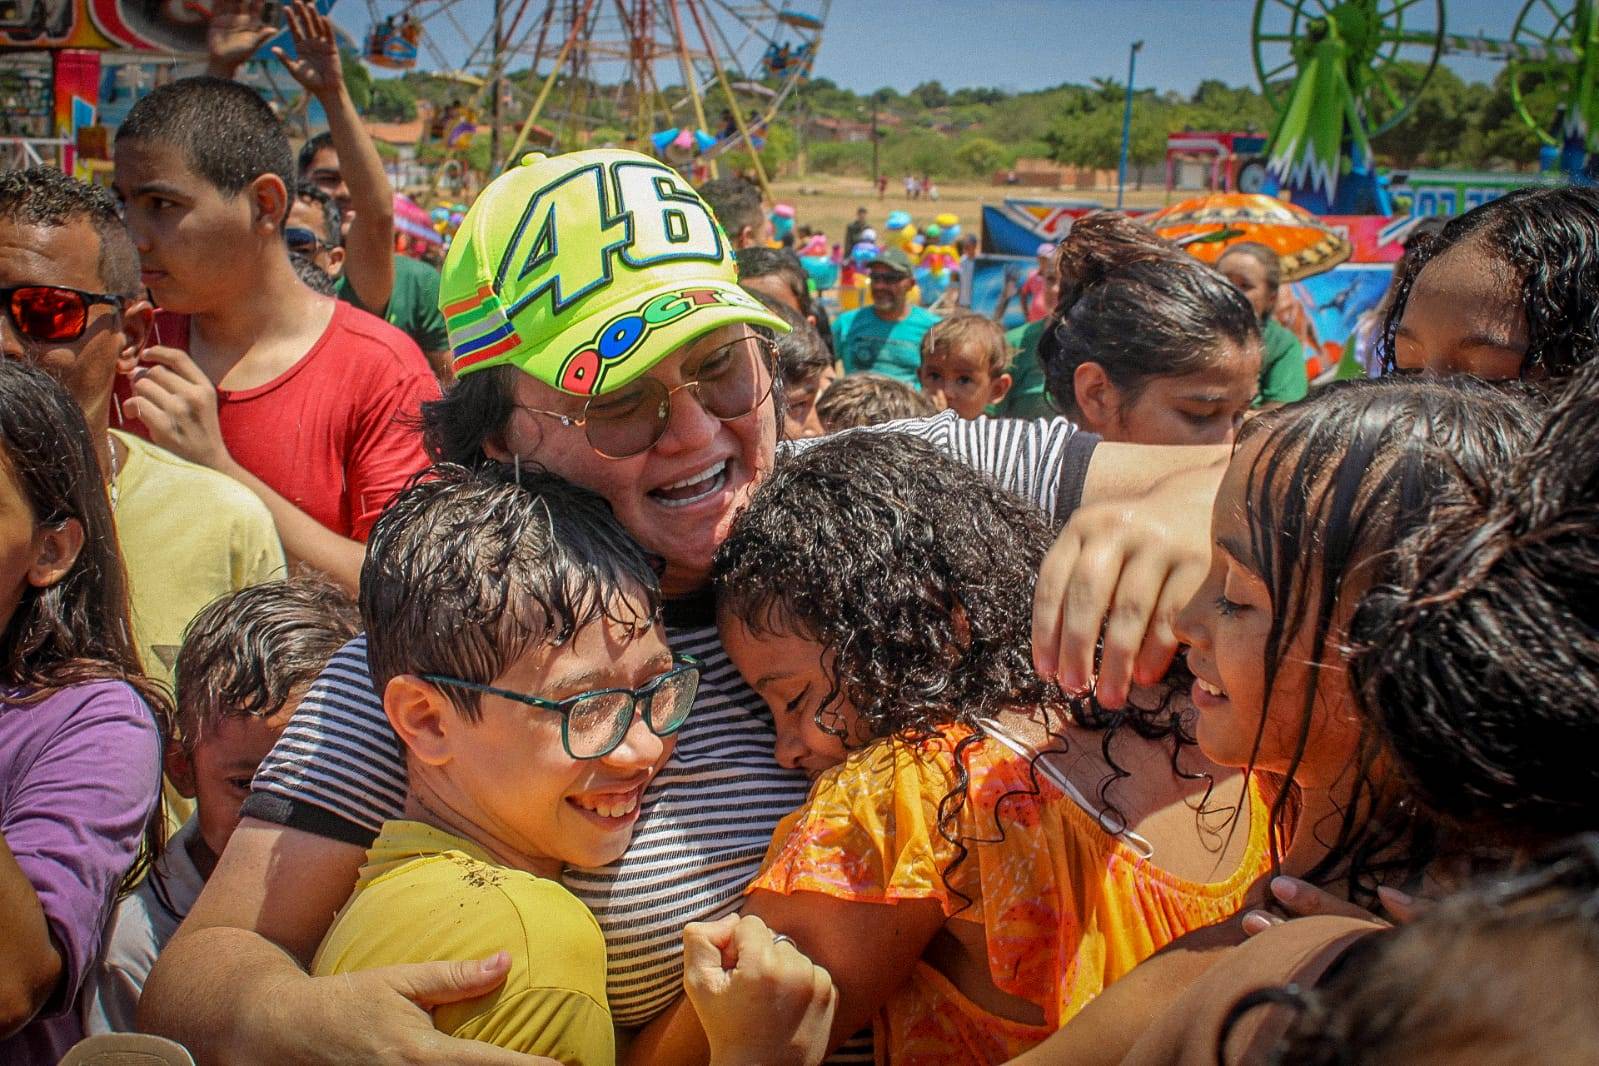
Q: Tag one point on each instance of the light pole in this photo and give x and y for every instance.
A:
(1127, 122)
(875, 138)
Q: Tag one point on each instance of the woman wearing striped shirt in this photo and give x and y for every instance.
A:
(642, 378)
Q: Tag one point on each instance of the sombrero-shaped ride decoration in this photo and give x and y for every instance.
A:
(1207, 225)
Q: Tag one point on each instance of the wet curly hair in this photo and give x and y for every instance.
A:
(1548, 238)
(917, 574)
(1480, 661)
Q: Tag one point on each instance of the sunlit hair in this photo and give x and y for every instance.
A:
(1138, 306)
(1508, 967)
(1339, 481)
(856, 400)
(249, 652)
(1480, 660)
(1548, 240)
(75, 631)
(466, 571)
(965, 328)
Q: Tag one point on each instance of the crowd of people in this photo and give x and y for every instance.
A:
(593, 652)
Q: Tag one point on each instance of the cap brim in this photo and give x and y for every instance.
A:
(591, 358)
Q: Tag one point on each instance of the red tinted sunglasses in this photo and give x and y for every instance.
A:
(51, 312)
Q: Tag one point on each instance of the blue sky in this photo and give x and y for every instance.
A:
(1020, 44)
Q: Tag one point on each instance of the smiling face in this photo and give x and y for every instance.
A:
(890, 291)
(1204, 407)
(527, 801)
(1226, 627)
(187, 230)
(793, 675)
(1464, 316)
(678, 498)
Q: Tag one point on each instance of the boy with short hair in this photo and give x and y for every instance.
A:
(964, 364)
(869, 400)
(245, 662)
(308, 402)
(525, 669)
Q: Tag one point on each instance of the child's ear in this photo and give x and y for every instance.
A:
(1096, 395)
(55, 549)
(999, 387)
(270, 199)
(422, 717)
(179, 765)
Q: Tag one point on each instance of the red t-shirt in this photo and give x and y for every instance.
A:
(1033, 305)
(336, 434)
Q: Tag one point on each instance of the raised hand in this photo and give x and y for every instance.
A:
(234, 34)
(316, 64)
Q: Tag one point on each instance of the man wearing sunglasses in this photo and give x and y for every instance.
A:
(71, 304)
(599, 333)
(885, 337)
(308, 402)
(312, 231)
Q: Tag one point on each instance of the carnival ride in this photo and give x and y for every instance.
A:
(1339, 73)
(687, 79)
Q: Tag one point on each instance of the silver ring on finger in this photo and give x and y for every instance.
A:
(783, 938)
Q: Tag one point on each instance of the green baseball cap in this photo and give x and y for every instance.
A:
(586, 269)
(895, 258)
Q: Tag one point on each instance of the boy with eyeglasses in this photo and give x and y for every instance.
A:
(525, 670)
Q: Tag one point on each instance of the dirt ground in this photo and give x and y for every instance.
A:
(828, 203)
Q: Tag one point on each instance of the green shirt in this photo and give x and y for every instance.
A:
(864, 341)
(1027, 398)
(413, 304)
(1283, 378)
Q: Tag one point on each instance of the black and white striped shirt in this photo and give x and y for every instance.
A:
(707, 818)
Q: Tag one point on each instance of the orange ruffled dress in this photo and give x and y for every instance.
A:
(1065, 907)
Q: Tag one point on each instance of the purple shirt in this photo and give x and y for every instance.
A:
(80, 773)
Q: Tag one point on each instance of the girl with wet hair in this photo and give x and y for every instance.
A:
(80, 750)
(979, 856)
(1314, 502)
(1481, 662)
(1507, 290)
(1146, 344)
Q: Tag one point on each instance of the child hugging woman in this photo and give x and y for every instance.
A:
(978, 856)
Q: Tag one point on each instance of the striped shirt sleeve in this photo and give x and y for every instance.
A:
(337, 769)
(1044, 460)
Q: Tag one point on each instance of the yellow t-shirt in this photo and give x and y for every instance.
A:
(188, 535)
(426, 895)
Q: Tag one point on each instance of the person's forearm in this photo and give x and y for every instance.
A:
(30, 965)
(369, 244)
(305, 540)
(1119, 471)
(212, 991)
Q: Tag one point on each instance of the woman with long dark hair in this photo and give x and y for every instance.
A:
(80, 749)
(1146, 344)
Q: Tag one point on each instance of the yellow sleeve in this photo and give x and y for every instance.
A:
(558, 1023)
(869, 832)
(254, 551)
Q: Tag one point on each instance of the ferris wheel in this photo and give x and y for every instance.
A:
(709, 71)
